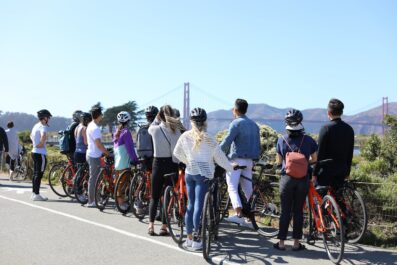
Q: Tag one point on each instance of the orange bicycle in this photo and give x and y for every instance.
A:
(140, 192)
(175, 203)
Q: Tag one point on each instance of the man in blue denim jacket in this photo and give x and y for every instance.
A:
(242, 144)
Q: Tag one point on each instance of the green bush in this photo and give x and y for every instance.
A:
(371, 149)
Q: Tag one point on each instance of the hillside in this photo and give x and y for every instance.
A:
(23, 121)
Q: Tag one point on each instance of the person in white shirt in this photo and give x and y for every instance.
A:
(13, 146)
(199, 151)
(94, 152)
(39, 152)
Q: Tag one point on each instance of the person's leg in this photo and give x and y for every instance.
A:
(37, 161)
(191, 189)
(286, 190)
(232, 180)
(155, 191)
(201, 189)
(300, 194)
(41, 173)
(246, 182)
(95, 167)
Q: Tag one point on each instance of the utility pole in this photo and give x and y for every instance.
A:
(186, 105)
(385, 111)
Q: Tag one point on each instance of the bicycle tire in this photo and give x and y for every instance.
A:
(334, 230)
(102, 194)
(68, 177)
(206, 227)
(55, 178)
(122, 190)
(172, 216)
(308, 225)
(136, 188)
(266, 212)
(225, 203)
(81, 186)
(358, 223)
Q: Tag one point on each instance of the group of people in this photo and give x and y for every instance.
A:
(171, 144)
(9, 145)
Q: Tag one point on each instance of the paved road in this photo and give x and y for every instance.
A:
(60, 231)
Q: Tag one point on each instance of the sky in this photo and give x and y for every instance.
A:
(68, 55)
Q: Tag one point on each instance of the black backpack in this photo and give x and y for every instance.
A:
(144, 142)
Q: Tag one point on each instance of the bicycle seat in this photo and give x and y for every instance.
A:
(322, 190)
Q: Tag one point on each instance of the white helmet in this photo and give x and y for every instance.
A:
(123, 117)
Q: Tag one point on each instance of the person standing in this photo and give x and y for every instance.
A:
(165, 135)
(13, 144)
(293, 187)
(80, 134)
(94, 152)
(242, 143)
(336, 142)
(39, 152)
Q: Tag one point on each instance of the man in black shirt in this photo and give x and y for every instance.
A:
(336, 142)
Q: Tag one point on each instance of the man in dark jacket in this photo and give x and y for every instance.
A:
(3, 142)
(336, 142)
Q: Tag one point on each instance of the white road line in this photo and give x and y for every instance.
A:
(111, 228)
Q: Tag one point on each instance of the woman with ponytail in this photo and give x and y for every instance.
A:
(199, 151)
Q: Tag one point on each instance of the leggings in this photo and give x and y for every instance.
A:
(40, 163)
(161, 166)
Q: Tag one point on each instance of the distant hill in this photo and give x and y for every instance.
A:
(23, 121)
(367, 122)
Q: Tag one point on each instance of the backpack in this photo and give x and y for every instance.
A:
(64, 139)
(296, 164)
(144, 143)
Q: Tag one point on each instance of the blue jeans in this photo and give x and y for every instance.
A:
(196, 190)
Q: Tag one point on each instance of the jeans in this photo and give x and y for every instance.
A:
(196, 190)
(293, 194)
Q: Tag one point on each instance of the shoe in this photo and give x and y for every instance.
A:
(247, 223)
(235, 219)
(124, 206)
(31, 196)
(299, 248)
(38, 197)
(151, 232)
(91, 205)
(277, 246)
(163, 232)
(197, 245)
(188, 243)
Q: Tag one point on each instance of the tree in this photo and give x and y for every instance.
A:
(389, 143)
(372, 148)
(110, 115)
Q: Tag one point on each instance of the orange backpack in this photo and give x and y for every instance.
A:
(296, 164)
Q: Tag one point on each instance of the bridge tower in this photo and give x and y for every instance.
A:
(186, 105)
(385, 111)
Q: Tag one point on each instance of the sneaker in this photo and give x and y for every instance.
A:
(31, 196)
(235, 219)
(38, 197)
(247, 223)
(91, 205)
(188, 243)
(197, 245)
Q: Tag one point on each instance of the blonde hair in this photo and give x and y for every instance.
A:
(167, 115)
(199, 132)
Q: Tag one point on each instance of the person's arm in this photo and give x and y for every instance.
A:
(350, 156)
(100, 146)
(5, 140)
(129, 144)
(231, 135)
(179, 151)
(322, 147)
(43, 138)
(221, 159)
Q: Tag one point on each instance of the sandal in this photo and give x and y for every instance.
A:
(277, 246)
(151, 232)
(163, 232)
(301, 247)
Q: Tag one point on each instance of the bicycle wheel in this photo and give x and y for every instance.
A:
(68, 181)
(172, 215)
(137, 190)
(333, 236)
(356, 214)
(81, 186)
(55, 178)
(224, 202)
(206, 226)
(102, 192)
(266, 207)
(122, 191)
(308, 223)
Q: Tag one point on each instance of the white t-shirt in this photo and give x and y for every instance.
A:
(38, 130)
(93, 133)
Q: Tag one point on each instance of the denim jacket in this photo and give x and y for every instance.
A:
(242, 139)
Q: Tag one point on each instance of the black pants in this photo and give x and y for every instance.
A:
(293, 194)
(11, 162)
(79, 158)
(39, 164)
(161, 166)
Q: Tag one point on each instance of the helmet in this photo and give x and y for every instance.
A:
(177, 113)
(123, 116)
(293, 118)
(198, 115)
(77, 115)
(151, 111)
(86, 118)
(43, 114)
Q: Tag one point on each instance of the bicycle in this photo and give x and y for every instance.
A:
(105, 183)
(140, 192)
(21, 171)
(80, 187)
(55, 177)
(175, 204)
(68, 178)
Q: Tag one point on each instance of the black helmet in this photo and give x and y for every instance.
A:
(151, 111)
(43, 114)
(293, 117)
(77, 115)
(198, 115)
(86, 118)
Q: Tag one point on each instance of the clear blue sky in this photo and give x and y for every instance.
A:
(66, 55)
